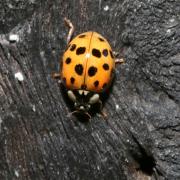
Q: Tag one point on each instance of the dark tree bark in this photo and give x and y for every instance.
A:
(141, 137)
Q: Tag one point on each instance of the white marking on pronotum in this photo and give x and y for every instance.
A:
(13, 37)
(19, 76)
(94, 99)
(80, 92)
(86, 92)
(83, 92)
(71, 95)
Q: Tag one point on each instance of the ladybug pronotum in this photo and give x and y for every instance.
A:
(87, 68)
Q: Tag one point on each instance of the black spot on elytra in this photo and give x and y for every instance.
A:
(101, 39)
(79, 69)
(104, 85)
(83, 86)
(92, 71)
(82, 36)
(105, 66)
(105, 52)
(96, 83)
(73, 47)
(111, 54)
(68, 60)
(80, 50)
(96, 53)
(72, 80)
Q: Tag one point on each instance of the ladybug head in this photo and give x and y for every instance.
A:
(83, 99)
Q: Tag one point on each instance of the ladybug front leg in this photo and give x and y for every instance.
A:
(71, 30)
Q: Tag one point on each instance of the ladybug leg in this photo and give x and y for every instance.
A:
(116, 54)
(71, 30)
(119, 61)
(55, 75)
(88, 115)
(103, 114)
(71, 113)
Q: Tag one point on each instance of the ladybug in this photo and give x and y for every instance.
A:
(86, 68)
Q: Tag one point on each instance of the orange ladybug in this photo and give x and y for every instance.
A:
(87, 68)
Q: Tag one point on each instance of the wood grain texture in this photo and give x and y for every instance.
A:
(139, 140)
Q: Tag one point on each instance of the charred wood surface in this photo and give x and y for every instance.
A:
(140, 138)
